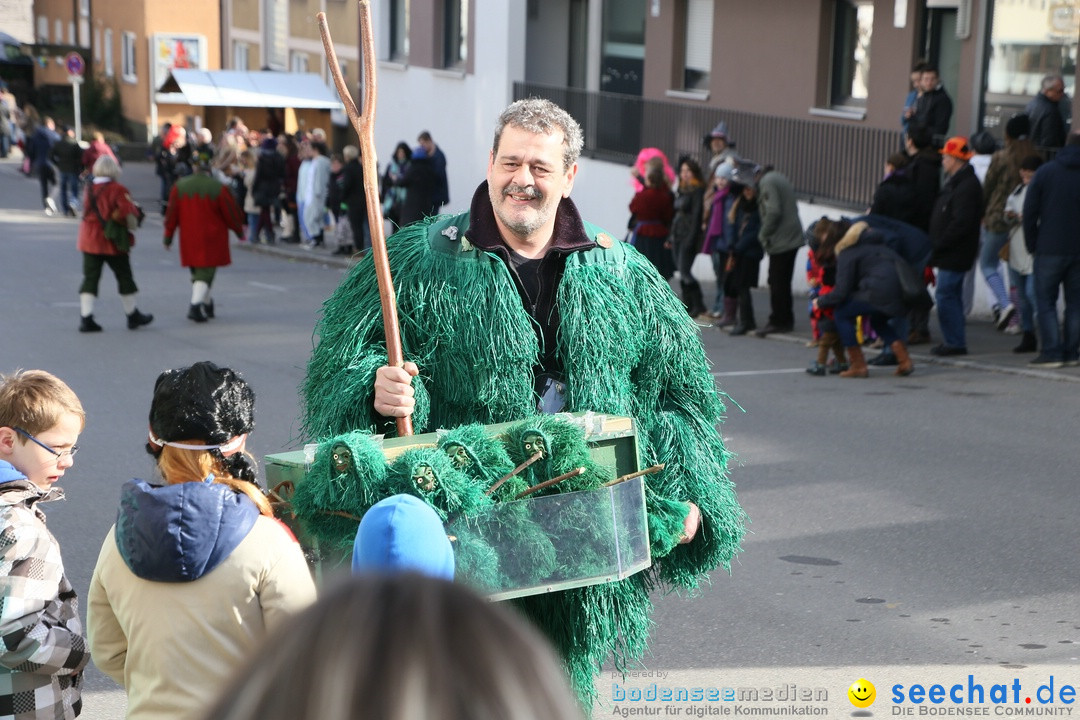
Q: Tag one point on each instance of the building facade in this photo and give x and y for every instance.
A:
(816, 87)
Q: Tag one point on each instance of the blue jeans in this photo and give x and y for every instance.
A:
(950, 307)
(69, 189)
(252, 227)
(990, 263)
(1051, 273)
(1026, 286)
(845, 314)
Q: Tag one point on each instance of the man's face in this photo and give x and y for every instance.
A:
(950, 164)
(428, 145)
(929, 80)
(717, 145)
(40, 466)
(526, 181)
(1055, 92)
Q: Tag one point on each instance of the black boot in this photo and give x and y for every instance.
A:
(197, 313)
(1028, 344)
(694, 302)
(137, 319)
(208, 308)
(87, 324)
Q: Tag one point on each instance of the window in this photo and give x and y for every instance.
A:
(127, 66)
(399, 30)
(42, 29)
(240, 56)
(275, 34)
(853, 25)
(84, 8)
(58, 35)
(455, 33)
(298, 62)
(698, 59)
(71, 33)
(97, 45)
(106, 49)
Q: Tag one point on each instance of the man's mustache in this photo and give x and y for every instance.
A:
(528, 191)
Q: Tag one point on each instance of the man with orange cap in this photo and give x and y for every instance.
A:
(954, 233)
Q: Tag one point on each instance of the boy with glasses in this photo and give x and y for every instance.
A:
(42, 648)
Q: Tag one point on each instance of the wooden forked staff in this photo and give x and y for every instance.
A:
(364, 124)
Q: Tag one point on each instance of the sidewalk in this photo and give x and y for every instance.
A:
(989, 350)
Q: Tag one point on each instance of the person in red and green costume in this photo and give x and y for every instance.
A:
(519, 308)
(205, 211)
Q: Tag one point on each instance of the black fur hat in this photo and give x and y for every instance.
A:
(201, 402)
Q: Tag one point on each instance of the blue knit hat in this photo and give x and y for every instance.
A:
(402, 533)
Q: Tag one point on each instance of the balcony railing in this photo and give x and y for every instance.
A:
(828, 162)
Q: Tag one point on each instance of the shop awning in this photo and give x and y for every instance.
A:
(238, 88)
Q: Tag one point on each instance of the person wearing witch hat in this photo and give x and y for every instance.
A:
(520, 307)
(204, 211)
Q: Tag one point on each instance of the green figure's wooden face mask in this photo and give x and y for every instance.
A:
(459, 456)
(424, 477)
(534, 443)
(341, 458)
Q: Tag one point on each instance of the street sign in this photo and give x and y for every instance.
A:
(74, 63)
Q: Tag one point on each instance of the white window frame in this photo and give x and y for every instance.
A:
(84, 8)
(97, 45)
(72, 40)
(275, 40)
(240, 55)
(128, 70)
(42, 29)
(398, 12)
(698, 37)
(298, 61)
(58, 32)
(107, 52)
(846, 97)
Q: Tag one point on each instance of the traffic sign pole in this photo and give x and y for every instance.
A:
(75, 85)
(75, 68)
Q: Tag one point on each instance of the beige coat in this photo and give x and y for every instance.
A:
(173, 646)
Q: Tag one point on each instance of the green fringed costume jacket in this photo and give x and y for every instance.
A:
(624, 344)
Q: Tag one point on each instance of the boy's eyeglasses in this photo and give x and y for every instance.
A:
(58, 453)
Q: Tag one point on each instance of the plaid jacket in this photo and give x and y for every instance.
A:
(42, 648)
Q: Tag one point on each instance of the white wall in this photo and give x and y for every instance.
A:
(458, 110)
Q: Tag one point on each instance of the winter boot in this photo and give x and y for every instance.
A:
(87, 324)
(818, 367)
(727, 319)
(1028, 344)
(905, 366)
(197, 313)
(694, 302)
(208, 308)
(137, 319)
(858, 367)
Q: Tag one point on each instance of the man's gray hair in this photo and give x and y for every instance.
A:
(1051, 80)
(540, 116)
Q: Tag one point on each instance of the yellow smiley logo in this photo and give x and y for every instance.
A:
(862, 693)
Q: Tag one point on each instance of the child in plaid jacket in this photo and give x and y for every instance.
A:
(42, 648)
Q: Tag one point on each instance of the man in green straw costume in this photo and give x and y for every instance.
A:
(519, 308)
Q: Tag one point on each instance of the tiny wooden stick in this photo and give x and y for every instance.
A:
(549, 483)
(630, 476)
(364, 124)
(536, 456)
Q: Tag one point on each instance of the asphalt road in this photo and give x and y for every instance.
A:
(917, 528)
